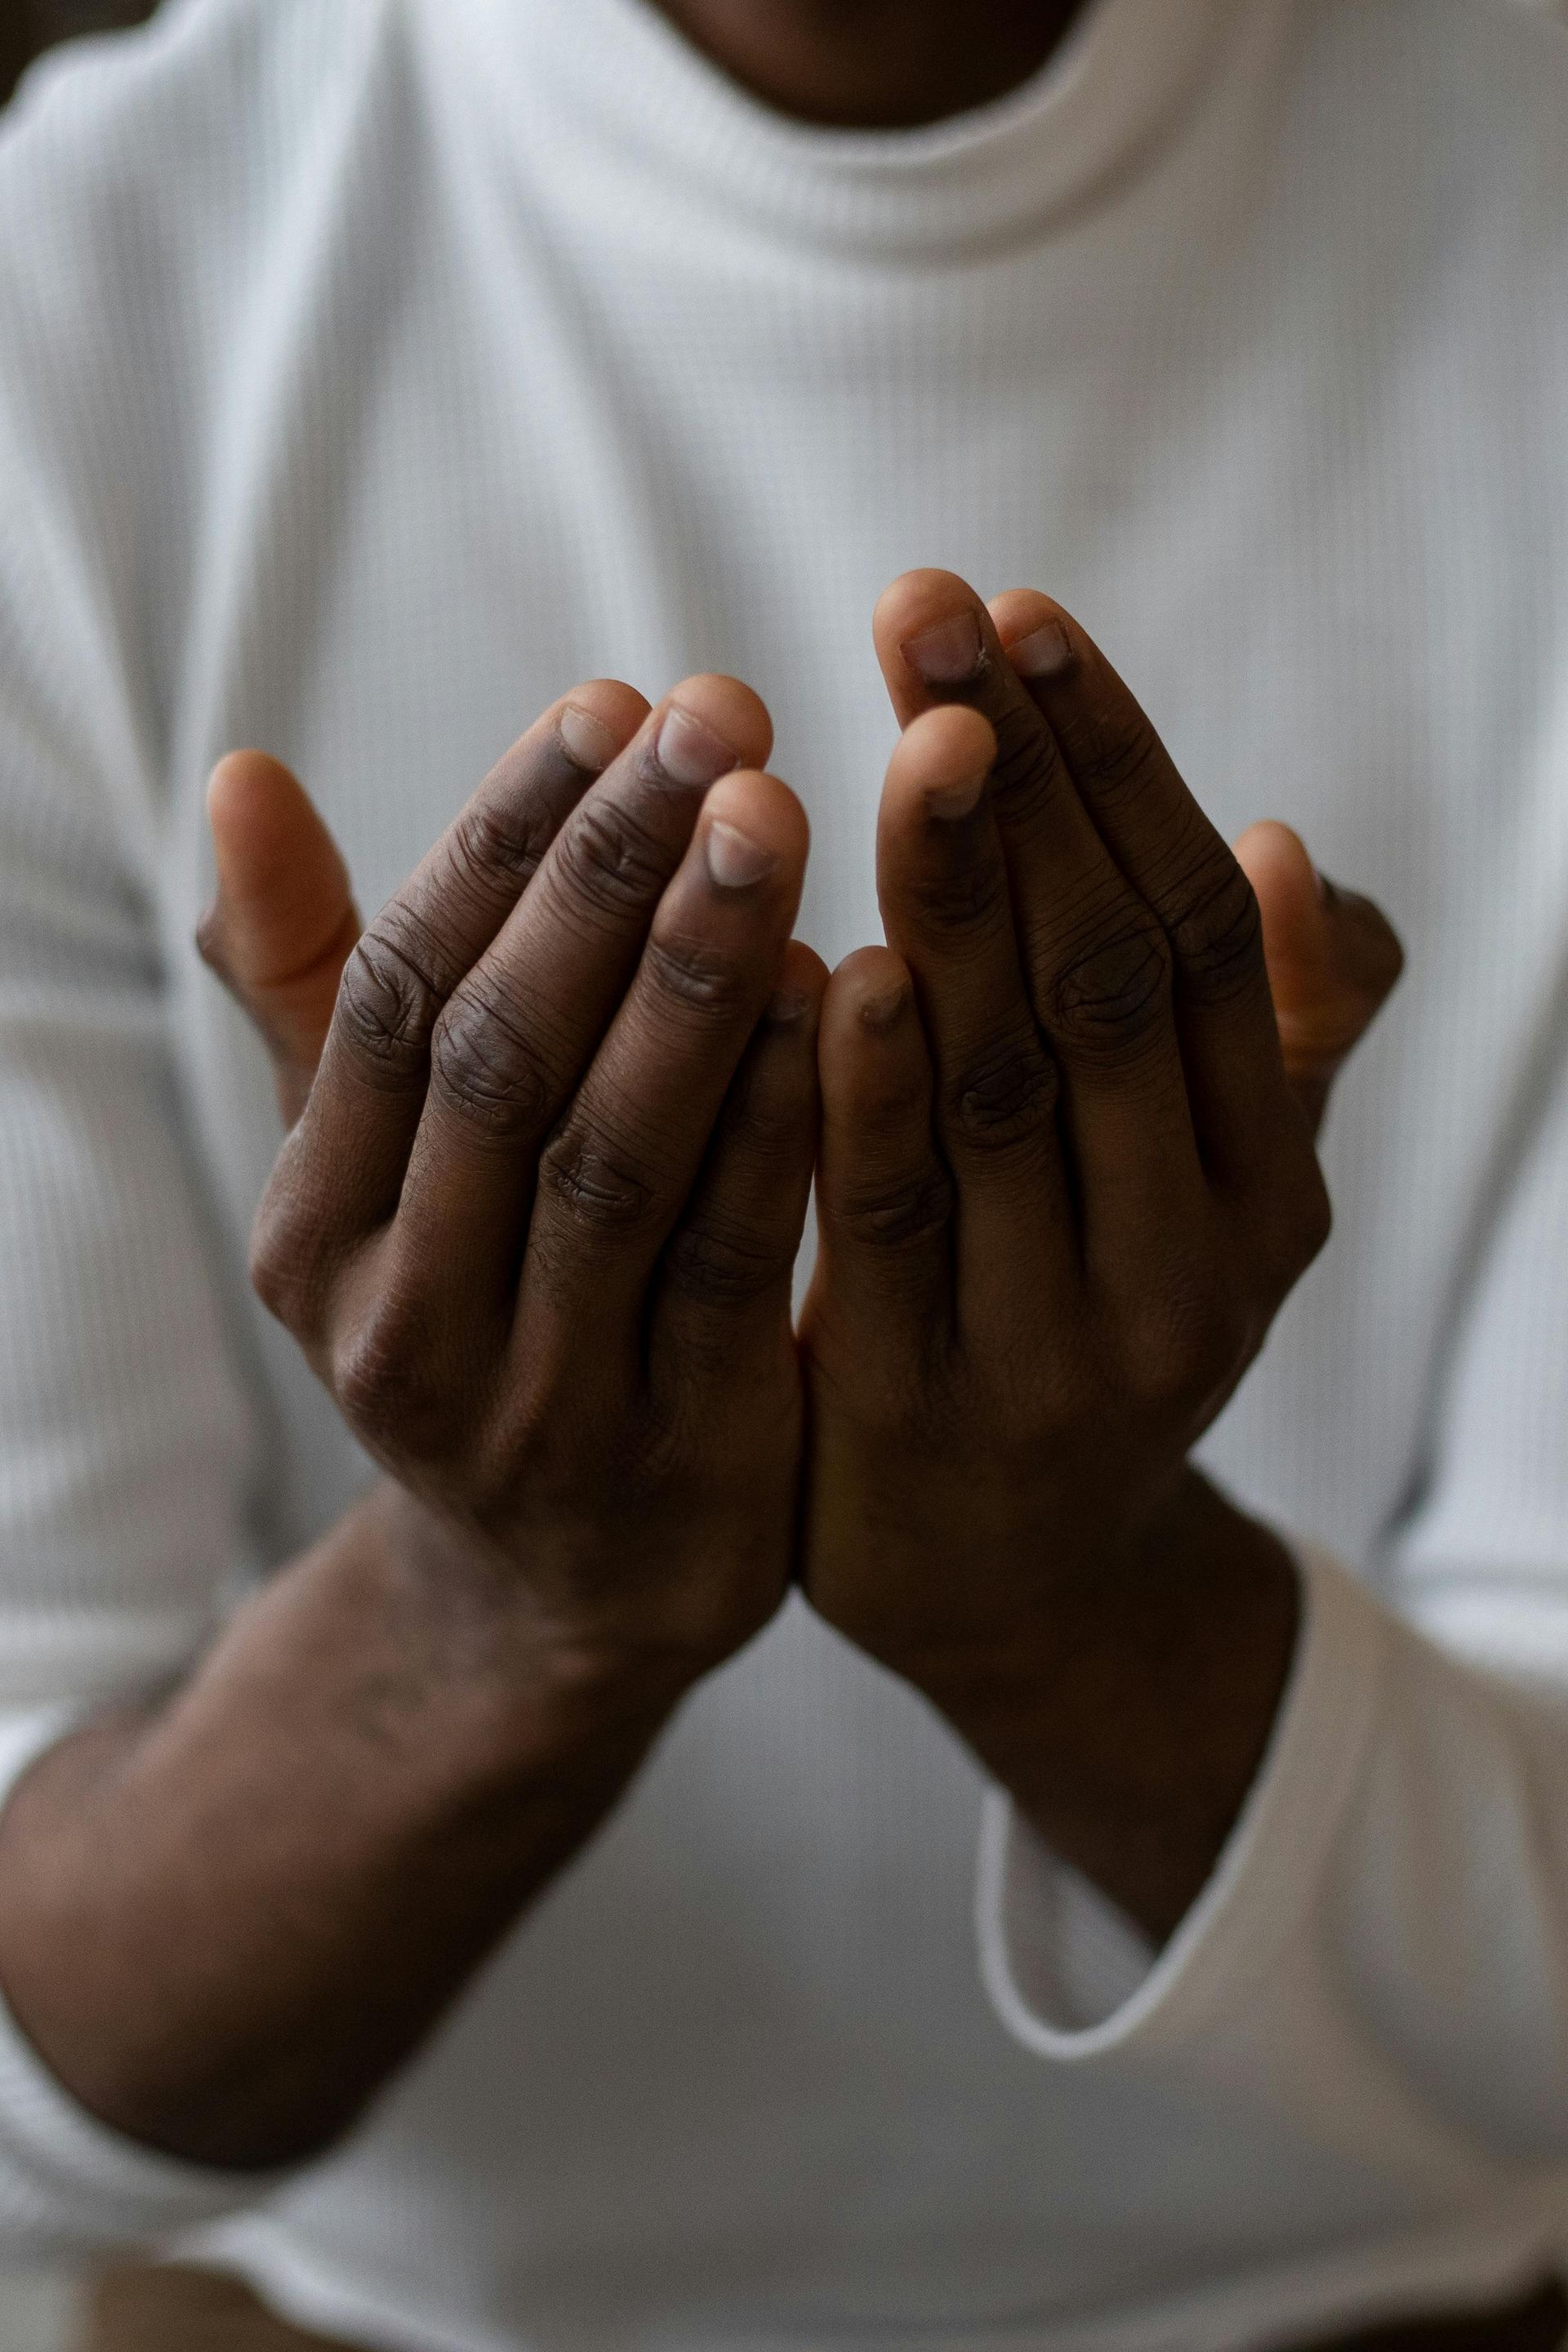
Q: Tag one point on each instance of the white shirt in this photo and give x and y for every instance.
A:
(370, 370)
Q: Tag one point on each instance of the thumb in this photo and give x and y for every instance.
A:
(284, 922)
(1333, 957)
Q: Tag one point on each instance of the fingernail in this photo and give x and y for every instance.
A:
(734, 860)
(948, 654)
(589, 742)
(1045, 652)
(949, 802)
(880, 1013)
(690, 753)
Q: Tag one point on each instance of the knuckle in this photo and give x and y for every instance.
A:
(965, 899)
(1005, 1098)
(485, 1068)
(1188, 1344)
(1028, 773)
(594, 1181)
(764, 1121)
(500, 841)
(383, 1376)
(1112, 997)
(285, 1252)
(900, 1213)
(390, 997)
(1111, 760)
(1218, 938)
(1311, 1220)
(277, 1277)
(1297, 1221)
(685, 972)
(607, 863)
(723, 1264)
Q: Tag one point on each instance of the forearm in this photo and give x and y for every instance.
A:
(299, 1859)
(1131, 1726)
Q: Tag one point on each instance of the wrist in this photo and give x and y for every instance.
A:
(529, 1690)
(1128, 1712)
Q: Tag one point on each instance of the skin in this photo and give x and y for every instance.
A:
(552, 1123)
(537, 1218)
(1066, 1183)
(876, 65)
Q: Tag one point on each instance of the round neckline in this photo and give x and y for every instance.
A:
(629, 78)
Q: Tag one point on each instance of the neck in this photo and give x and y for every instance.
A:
(875, 65)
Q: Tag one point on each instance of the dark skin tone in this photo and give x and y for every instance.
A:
(552, 1122)
(876, 65)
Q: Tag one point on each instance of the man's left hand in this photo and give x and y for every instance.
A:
(1067, 1179)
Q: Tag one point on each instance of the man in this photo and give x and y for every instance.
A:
(502, 1745)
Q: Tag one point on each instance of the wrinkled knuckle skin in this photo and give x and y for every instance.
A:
(968, 901)
(389, 999)
(899, 1215)
(383, 1376)
(499, 843)
(720, 1265)
(687, 973)
(1188, 1347)
(1219, 940)
(1028, 772)
(1109, 761)
(1112, 998)
(289, 1264)
(485, 1069)
(1008, 1098)
(594, 1184)
(766, 1123)
(605, 862)
(283, 1267)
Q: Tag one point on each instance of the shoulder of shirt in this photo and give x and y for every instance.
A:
(145, 184)
(163, 192)
(131, 127)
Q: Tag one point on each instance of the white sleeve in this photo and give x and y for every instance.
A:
(125, 1426)
(1383, 1945)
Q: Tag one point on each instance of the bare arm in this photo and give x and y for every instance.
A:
(223, 1921)
(534, 1227)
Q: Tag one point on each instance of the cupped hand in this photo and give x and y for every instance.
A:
(555, 1119)
(1067, 1171)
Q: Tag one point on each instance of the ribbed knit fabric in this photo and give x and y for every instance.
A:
(372, 370)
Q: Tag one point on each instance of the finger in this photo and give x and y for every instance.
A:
(726, 1279)
(621, 1166)
(944, 884)
(1333, 959)
(1181, 867)
(284, 921)
(884, 1195)
(513, 1044)
(1098, 964)
(343, 1169)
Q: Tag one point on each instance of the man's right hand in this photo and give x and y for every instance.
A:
(535, 1224)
